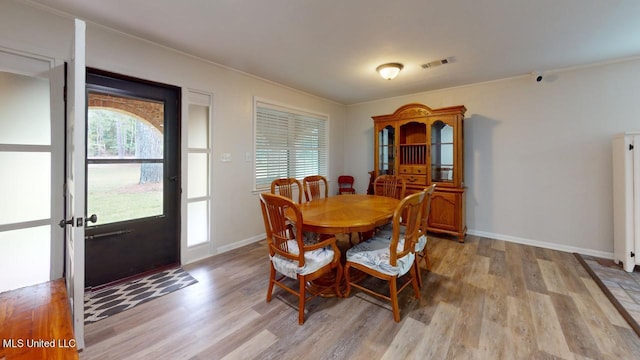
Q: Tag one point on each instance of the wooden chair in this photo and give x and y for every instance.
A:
(313, 187)
(345, 184)
(390, 186)
(390, 259)
(421, 246)
(421, 252)
(291, 257)
(286, 187)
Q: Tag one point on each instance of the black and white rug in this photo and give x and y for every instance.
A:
(103, 303)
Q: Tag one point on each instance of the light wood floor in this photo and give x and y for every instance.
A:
(485, 299)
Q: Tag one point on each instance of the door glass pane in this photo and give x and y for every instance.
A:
(197, 223)
(118, 192)
(125, 153)
(23, 118)
(198, 126)
(198, 175)
(25, 257)
(386, 152)
(25, 186)
(112, 134)
(441, 152)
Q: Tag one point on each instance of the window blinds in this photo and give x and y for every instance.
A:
(288, 143)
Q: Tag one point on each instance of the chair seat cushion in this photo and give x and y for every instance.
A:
(308, 237)
(387, 232)
(313, 260)
(374, 253)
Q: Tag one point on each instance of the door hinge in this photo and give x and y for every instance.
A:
(630, 147)
(633, 254)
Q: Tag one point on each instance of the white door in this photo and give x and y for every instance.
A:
(75, 181)
(31, 151)
(196, 226)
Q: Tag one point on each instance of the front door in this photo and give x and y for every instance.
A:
(133, 169)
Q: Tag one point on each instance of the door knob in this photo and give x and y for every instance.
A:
(93, 218)
(64, 222)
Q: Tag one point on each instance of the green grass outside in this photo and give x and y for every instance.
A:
(114, 194)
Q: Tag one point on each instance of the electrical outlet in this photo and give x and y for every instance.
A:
(225, 157)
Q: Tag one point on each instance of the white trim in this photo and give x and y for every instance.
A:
(27, 63)
(542, 244)
(241, 243)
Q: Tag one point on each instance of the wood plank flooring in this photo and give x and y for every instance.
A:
(484, 299)
(35, 323)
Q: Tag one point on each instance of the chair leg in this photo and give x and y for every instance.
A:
(303, 295)
(393, 294)
(419, 273)
(426, 259)
(272, 279)
(339, 272)
(347, 279)
(414, 282)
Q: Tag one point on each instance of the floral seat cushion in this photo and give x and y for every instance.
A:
(313, 260)
(374, 253)
(387, 232)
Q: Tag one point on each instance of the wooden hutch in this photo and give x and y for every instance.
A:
(425, 146)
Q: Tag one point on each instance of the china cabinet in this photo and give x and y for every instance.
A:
(425, 146)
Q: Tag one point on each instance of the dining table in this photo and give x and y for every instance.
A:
(344, 214)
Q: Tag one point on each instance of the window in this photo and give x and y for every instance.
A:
(288, 143)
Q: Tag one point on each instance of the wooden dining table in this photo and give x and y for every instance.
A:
(345, 214)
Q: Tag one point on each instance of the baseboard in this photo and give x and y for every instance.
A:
(542, 244)
(509, 238)
(241, 243)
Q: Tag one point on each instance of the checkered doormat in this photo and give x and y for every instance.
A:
(101, 304)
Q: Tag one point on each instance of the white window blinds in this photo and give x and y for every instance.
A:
(288, 143)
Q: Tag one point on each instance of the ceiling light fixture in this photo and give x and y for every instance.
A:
(389, 70)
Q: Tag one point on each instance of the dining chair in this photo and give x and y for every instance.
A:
(390, 186)
(345, 184)
(390, 260)
(290, 257)
(287, 187)
(422, 254)
(313, 187)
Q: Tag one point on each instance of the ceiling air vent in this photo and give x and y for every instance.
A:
(435, 63)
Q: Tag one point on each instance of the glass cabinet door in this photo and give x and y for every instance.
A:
(386, 151)
(442, 152)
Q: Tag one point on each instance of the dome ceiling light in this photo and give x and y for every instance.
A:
(389, 70)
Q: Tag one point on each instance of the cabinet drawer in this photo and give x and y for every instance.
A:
(411, 179)
(413, 169)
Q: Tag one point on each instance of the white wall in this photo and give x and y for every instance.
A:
(236, 213)
(537, 155)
